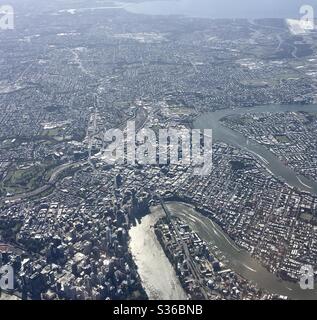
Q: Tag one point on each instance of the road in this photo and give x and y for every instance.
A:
(51, 182)
(194, 271)
(140, 117)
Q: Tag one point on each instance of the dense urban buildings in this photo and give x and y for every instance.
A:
(69, 72)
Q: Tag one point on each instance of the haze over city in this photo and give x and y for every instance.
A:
(158, 151)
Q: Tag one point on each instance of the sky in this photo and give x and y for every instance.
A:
(227, 8)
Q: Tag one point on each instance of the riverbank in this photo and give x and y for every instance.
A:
(237, 259)
(153, 264)
(212, 120)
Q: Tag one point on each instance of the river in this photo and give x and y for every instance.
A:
(238, 259)
(149, 255)
(157, 274)
(211, 120)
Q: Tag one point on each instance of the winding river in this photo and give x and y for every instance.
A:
(211, 120)
(156, 272)
(238, 259)
(158, 276)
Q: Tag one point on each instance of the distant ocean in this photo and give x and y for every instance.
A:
(250, 9)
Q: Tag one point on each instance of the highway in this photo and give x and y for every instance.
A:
(140, 117)
(195, 272)
(51, 182)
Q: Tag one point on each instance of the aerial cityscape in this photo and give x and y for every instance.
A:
(90, 210)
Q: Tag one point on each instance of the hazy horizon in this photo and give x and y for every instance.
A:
(224, 8)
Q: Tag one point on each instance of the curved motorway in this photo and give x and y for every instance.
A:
(140, 117)
(55, 174)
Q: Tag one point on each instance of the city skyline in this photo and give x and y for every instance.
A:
(148, 154)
